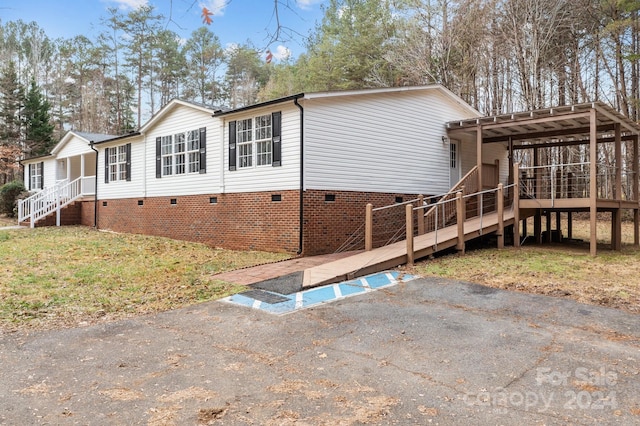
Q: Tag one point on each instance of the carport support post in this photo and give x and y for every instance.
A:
(368, 228)
(636, 212)
(516, 205)
(593, 189)
(500, 233)
(460, 218)
(409, 210)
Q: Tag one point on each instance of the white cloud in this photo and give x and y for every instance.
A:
(307, 4)
(130, 4)
(282, 53)
(216, 7)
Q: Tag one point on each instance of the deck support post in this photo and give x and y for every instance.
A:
(569, 225)
(421, 213)
(460, 218)
(409, 210)
(537, 226)
(559, 225)
(516, 206)
(616, 229)
(500, 232)
(593, 189)
(548, 238)
(368, 228)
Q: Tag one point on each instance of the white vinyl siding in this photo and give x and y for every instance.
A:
(263, 176)
(185, 177)
(122, 188)
(388, 142)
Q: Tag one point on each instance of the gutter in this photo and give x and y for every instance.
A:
(95, 195)
(301, 238)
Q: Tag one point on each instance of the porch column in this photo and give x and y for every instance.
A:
(479, 155)
(69, 169)
(593, 171)
(82, 173)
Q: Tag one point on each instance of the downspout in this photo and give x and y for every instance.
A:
(95, 195)
(295, 101)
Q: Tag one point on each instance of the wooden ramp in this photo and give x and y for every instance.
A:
(395, 254)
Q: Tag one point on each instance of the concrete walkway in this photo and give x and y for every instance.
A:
(429, 351)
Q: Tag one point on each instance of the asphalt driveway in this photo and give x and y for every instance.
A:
(423, 352)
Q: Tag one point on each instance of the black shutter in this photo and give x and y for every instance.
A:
(203, 150)
(232, 145)
(158, 157)
(42, 175)
(30, 180)
(276, 138)
(128, 166)
(106, 165)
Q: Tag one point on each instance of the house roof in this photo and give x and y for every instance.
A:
(117, 138)
(170, 107)
(88, 137)
(570, 123)
(343, 93)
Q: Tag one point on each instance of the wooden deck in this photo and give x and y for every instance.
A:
(393, 255)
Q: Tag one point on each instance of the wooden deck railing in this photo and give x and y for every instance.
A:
(440, 214)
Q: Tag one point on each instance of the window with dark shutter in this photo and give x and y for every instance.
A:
(106, 165)
(31, 188)
(276, 138)
(158, 157)
(42, 175)
(128, 160)
(232, 145)
(203, 150)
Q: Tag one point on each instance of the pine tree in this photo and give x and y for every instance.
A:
(11, 100)
(37, 120)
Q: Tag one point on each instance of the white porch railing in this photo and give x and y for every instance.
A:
(54, 198)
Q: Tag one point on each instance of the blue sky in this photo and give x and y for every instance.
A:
(234, 21)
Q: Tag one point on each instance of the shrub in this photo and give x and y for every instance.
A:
(8, 195)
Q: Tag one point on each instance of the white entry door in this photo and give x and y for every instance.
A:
(454, 162)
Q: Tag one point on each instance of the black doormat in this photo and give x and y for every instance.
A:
(285, 284)
(265, 296)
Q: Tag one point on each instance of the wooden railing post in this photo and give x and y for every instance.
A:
(500, 200)
(516, 205)
(461, 216)
(421, 215)
(409, 210)
(368, 228)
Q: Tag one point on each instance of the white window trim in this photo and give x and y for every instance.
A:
(35, 180)
(188, 152)
(254, 142)
(118, 163)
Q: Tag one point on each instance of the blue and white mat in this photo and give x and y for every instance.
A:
(287, 303)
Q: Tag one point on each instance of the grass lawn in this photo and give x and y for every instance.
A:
(7, 221)
(55, 277)
(566, 270)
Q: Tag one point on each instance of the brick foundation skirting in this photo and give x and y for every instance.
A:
(246, 221)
